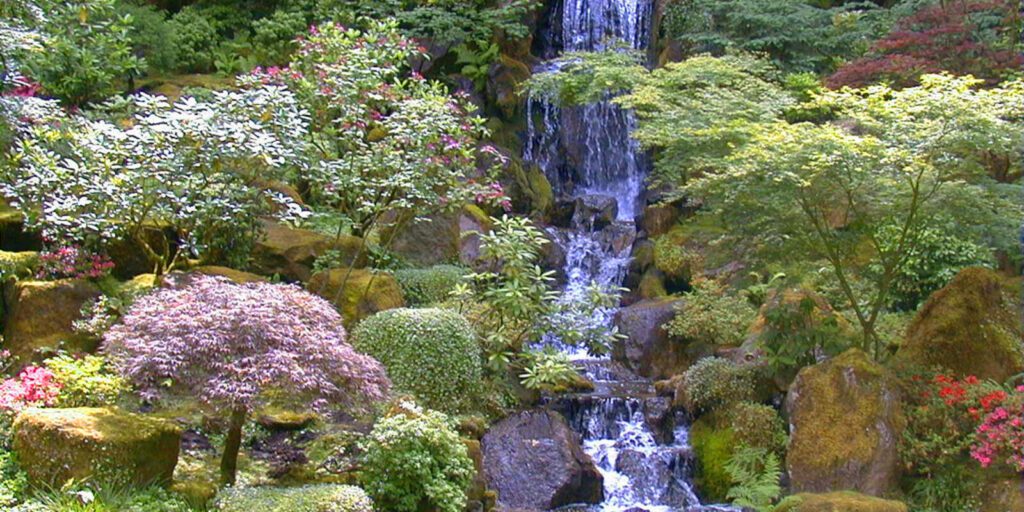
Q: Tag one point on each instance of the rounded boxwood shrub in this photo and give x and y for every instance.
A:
(415, 460)
(308, 498)
(431, 353)
(425, 286)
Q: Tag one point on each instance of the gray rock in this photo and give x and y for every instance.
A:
(535, 463)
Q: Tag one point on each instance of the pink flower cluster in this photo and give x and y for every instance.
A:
(73, 262)
(34, 387)
(1000, 437)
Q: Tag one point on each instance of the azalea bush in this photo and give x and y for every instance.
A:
(999, 439)
(177, 180)
(942, 419)
(85, 381)
(34, 386)
(73, 262)
(86, 52)
(385, 139)
(414, 460)
(713, 382)
(232, 346)
(710, 315)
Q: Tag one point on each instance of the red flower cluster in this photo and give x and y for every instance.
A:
(73, 262)
(1000, 437)
(33, 387)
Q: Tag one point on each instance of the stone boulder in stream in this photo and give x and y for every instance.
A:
(647, 349)
(535, 463)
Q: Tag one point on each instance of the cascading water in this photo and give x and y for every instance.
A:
(640, 448)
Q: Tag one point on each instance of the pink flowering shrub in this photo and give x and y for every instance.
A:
(999, 439)
(34, 387)
(74, 262)
(229, 345)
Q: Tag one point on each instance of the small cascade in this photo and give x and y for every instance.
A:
(638, 444)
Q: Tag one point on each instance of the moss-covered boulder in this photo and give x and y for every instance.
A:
(846, 420)
(503, 84)
(359, 293)
(40, 315)
(20, 264)
(531, 191)
(290, 252)
(843, 501)
(57, 445)
(971, 326)
(473, 222)
(659, 219)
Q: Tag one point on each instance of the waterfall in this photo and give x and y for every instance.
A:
(641, 449)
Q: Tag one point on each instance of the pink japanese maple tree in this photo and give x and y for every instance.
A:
(229, 345)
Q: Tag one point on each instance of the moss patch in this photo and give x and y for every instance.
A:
(713, 445)
(971, 327)
(359, 294)
(56, 445)
(838, 502)
(846, 419)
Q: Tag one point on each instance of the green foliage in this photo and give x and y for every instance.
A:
(13, 481)
(672, 257)
(710, 315)
(916, 154)
(797, 332)
(757, 426)
(796, 34)
(79, 498)
(273, 37)
(548, 370)
(476, 60)
(414, 460)
(755, 473)
(953, 488)
(712, 383)
(307, 498)
(445, 22)
(86, 51)
(934, 259)
(426, 286)
(152, 36)
(195, 38)
(86, 381)
(431, 353)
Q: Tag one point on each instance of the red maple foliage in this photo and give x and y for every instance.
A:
(958, 37)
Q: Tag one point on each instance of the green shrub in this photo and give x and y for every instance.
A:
(195, 38)
(431, 353)
(16, 265)
(757, 426)
(416, 461)
(273, 37)
(673, 258)
(711, 316)
(86, 381)
(151, 35)
(425, 286)
(714, 382)
(86, 52)
(309, 498)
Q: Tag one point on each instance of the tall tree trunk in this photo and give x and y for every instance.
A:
(229, 462)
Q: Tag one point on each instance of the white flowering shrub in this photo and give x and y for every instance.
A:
(176, 179)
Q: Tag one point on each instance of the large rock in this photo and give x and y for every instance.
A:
(290, 252)
(1004, 496)
(971, 327)
(40, 316)
(473, 223)
(535, 463)
(358, 294)
(90, 444)
(647, 349)
(845, 423)
(838, 502)
(429, 241)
